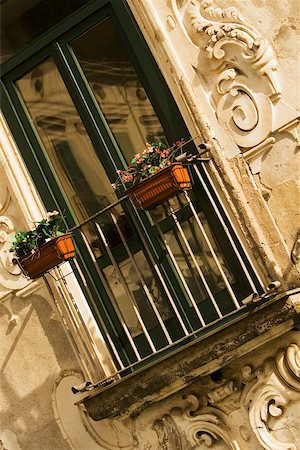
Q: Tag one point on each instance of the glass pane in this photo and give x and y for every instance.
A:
(118, 89)
(67, 143)
(24, 20)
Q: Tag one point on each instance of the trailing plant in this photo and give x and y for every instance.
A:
(28, 241)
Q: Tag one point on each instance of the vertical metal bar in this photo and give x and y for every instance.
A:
(142, 281)
(227, 284)
(67, 315)
(210, 294)
(118, 312)
(173, 258)
(162, 281)
(76, 315)
(192, 270)
(123, 281)
(226, 229)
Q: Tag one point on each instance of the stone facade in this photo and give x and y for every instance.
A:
(232, 68)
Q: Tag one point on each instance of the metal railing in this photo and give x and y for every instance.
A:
(152, 315)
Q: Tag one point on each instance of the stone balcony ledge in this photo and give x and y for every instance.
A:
(199, 358)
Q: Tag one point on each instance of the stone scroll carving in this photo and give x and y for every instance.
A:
(272, 399)
(259, 409)
(10, 276)
(240, 69)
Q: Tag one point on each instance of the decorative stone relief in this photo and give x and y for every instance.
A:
(196, 423)
(272, 397)
(10, 275)
(168, 433)
(240, 69)
(77, 428)
(260, 410)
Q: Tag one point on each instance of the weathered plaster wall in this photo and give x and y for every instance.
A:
(34, 351)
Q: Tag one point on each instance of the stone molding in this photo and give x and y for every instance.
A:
(77, 428)
(240, 69)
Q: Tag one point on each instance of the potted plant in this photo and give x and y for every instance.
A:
(44, 247)
(154, 175)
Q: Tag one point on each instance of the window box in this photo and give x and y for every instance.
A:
(160, 187)
(47, 256)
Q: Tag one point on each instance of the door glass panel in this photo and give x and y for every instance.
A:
(66, 141)
(118, 89)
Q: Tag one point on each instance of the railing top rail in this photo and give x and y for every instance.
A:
(98, 213)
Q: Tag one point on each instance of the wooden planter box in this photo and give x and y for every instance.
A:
(47, 256)
(160, 187)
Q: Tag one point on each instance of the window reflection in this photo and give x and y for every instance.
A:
(89, 190)
(117, 88)
(68, 146)
(203, 257)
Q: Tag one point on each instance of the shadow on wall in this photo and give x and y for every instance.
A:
(35, 350)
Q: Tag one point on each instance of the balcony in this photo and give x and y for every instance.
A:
(166, 277)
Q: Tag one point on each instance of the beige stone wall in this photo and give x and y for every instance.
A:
(34, 352)
(34, 348)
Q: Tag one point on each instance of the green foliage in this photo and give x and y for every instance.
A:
(27, 241)
(155, 157)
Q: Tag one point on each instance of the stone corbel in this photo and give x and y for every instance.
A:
(240, 68)
(195, 421)
(10, 274)
(269, 392)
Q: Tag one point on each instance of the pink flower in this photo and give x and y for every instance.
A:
(119, 172)
(127, 177)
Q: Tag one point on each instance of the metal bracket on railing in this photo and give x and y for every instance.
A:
(89, 386)
(272, 291)
(190, 158)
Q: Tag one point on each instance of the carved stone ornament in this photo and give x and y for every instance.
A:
(10, 276)
(261, 410)
(272, 400)
(197, 423)
(240, 69)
